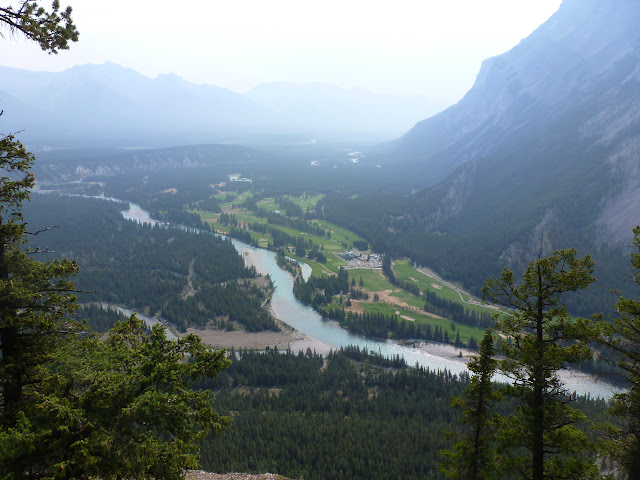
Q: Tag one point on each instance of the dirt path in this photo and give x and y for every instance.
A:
(387, 297)
(188, 290)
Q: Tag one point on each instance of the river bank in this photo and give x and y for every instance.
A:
(287, 338)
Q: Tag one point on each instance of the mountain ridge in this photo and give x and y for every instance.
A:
(111, 105)
(546, 136)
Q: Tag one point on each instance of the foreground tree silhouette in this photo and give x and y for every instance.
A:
(72, 406)
(544, 339)
(51, 29)
(119, 408)
(624, 337)
(473, 458)
(36, 298)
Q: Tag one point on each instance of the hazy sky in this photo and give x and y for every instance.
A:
(431, 47)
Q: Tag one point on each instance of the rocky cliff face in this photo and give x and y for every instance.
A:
(553, 125)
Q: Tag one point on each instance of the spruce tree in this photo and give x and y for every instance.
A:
(36, 298)
(624, 337)
(540, 439)
(473, 457)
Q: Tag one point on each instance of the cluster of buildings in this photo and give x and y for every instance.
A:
(358, 259)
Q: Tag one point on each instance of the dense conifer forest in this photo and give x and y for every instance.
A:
(350, 415)
(188, 278)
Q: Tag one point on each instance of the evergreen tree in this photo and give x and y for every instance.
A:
(72, 406)
(52, 30)
(473, 458)
(35, 298)
(540, 438)
(76, 407)
(624, 337)
(119, 408)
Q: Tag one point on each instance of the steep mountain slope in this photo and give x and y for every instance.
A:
(542, 153)
(545, 144)
(566, 64)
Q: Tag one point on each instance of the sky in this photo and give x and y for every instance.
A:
(428, 47)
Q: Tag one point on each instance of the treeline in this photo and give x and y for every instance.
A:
(352, 415)
(239, 302)
(380, 325)
(343, 420)
(288, 264)
(456, 311)
(179, 216)
(241, 234)
(210, 204)
(319, 290)
(149, 268)
(291, 209)
(99, 318)
(303, 247)
(298, 224)
(294, 216)
(387, 270)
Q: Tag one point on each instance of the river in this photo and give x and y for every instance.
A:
(305, 319)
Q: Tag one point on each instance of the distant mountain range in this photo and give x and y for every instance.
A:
(544, 148)
(110, 105)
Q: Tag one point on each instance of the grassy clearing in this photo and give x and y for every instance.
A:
(405, 271)
(307, 202)
(373, 280)
(269, 204)
(466, 332)
(339, 234)
(240, 199)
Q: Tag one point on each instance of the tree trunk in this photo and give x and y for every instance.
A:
(537, 429)
(12, 382)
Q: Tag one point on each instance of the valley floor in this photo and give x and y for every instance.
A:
(202, 475)
(286, 338)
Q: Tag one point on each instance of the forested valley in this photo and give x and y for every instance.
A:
(185, 277)
(350, 415)
(345, 415)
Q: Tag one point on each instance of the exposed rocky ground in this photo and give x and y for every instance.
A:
(202, 475)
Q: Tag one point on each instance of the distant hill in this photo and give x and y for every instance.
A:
(109, 105)
(546, 145)
(339, 111)
(98, 105)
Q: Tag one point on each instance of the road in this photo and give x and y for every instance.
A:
(470, 300)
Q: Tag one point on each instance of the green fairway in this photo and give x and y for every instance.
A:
(373, 280)
(269, 204)
(306, 202)
(466, 332)
(406, 272)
